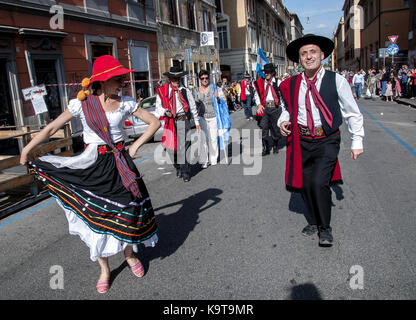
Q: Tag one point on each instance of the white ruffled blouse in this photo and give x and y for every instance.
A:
(128, 106)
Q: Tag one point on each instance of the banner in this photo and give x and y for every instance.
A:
(261, 61)
(207, 39)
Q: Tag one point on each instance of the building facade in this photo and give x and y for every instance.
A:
(381, 19)
(339, 51)
(246, 25)
(296, 33)
(180, 24)
(352, 32)
(412, 35)
(54, 43)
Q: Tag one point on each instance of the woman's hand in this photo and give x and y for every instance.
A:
(24, 157)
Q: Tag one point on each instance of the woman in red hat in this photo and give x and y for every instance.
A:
(101, 191)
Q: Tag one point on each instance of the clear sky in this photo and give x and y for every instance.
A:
(324, 15)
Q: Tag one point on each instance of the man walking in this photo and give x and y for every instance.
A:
(246, 96)
(177, 105)
(269, 105)
(317, 101)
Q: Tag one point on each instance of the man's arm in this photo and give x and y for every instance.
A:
(192, 106)
(352, 115)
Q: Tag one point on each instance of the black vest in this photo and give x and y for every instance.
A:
(329, 94)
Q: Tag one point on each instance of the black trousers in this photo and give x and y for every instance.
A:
(319, 157)
(269, 122)
(180, 161)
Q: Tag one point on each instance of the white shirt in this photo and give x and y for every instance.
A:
(269, 97)
(247, 86)
(160, 110)
(128, 105)
(358, 78)
(349, 108)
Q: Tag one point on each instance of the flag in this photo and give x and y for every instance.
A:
(261, 61)
(223, 120)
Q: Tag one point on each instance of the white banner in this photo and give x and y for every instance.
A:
(207, 39)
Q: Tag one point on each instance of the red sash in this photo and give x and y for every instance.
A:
(169, 138)
(294, 174)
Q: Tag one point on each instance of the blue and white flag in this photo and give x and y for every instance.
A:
(223, 120)
(261, 61)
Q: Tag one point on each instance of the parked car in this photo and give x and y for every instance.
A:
(134, 127)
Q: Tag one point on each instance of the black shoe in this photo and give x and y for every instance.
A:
(186, 179)
(266, 148)
(310, 230)
(325, 237)
(178, 174)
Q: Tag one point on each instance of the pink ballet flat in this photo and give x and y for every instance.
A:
(138, 270)
(102, 287)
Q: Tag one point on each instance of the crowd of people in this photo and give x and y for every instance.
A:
(386, 83)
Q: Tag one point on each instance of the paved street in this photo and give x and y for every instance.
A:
(226, 235)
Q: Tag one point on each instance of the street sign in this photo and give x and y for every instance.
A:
(393, 49)
(393, 39)
(382, 53)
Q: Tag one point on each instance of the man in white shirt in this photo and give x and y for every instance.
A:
(177, 105)
(269, 107)
(358, 82)
(317, 101)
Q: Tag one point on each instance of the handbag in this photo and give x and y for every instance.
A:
(200, 107)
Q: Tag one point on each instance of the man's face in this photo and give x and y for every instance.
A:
(310, 57)
(175, 82)
(224, 80)
(268, 75)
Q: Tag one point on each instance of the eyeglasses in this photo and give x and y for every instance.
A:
(204, 78)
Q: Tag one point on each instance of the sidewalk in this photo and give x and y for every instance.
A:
(409, 102)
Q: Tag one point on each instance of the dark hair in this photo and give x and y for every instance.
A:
(95, 86)
(203, 72)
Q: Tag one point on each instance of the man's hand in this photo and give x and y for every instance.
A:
(355, 153)
(285, 128)
(198, 128)
(260, 108)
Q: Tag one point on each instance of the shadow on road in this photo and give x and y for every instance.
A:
(307, 291)
(175, 228)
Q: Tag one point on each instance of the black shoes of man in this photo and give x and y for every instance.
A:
(325, 235)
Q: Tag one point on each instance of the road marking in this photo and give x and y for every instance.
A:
(403, 143)
(21, 215)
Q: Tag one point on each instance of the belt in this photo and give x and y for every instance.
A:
(304, 131)
(104, 149)
(269, 104)
(180, 118)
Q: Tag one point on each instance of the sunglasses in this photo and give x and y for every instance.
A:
(204, 78)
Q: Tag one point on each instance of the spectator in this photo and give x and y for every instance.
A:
(372, 84)
(389, 91)
(397, 88)
(358, 82)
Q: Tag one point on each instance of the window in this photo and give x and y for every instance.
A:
(218, 5)
(207, 22)
(168, 11)
(222, 36)
(191, 15)
(99, 49)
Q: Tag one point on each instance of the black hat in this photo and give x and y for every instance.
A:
(269, 67)
(247, 75)
(326, 45)
(175, 72)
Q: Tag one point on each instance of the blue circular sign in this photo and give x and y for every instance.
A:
(393, 49)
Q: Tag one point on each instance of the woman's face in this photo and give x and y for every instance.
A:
(113, 85)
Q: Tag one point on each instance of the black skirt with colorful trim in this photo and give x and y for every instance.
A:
(98, 198)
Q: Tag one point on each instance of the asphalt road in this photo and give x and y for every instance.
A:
(230, 235)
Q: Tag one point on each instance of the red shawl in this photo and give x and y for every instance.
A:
(169, 138)
(294, 174)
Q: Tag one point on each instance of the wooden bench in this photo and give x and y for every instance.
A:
(12, 180)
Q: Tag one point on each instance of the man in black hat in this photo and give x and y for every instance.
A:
(317, 101)
(246, 96)
(177, 105)
(269, 106)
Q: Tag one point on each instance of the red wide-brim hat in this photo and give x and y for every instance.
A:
(106, 67)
